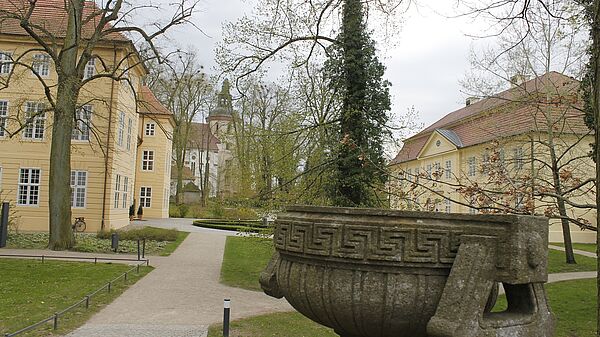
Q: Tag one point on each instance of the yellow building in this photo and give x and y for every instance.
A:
(105, 158)
(505, 153)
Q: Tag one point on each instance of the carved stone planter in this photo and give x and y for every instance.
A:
(382, 273)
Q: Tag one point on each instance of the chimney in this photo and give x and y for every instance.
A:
(471, 100)
(518, 79)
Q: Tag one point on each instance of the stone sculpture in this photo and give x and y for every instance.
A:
(383, 273)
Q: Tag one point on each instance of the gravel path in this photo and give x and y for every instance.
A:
(181, 297)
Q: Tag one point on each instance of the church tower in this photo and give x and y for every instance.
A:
(220, 121)
(220, 118)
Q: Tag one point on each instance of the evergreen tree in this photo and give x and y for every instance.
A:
(357, 75)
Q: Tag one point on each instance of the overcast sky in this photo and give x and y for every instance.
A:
(425, 66)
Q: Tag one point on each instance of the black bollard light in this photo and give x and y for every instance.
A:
(226, 316)
(4, 224)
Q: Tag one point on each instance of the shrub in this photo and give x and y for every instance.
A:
(148, 233)
(183, 210)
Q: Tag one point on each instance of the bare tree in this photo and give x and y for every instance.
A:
(183, 88)
(88, 25)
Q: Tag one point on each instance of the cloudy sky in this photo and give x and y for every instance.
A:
(429, 58)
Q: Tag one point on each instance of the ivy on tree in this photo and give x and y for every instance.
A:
(357, 75)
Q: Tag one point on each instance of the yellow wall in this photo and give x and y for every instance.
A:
(405, 191)
(159, 178)
(107, 99)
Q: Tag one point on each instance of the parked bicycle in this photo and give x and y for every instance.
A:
(79, 225)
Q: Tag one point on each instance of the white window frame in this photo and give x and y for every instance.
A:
(121, 128)
(518, 158)
(36, 128)
(41, 65)
(146, 196)
(448, 205)
(125, 190)
(83, 123)
(6, 63)
(471, 166)
(117, 191)
(129, 131)
(90, 69)
(448, 169)
(148, 160)
(3, 117)
(150, 129)
(78, 189)
(31, 188)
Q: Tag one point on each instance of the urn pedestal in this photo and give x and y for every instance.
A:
(382, 273)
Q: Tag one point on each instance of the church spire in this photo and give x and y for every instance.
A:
(224, 98)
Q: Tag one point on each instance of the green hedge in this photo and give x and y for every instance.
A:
(148, 233)
(254, 226)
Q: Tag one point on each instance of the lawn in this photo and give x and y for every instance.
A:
(570, 301)
(588, 247)
(244, 259)
(556, 263)
(32, 291)
(158, 241)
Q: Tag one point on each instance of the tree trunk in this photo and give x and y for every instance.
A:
(61, 236)
(566, 229)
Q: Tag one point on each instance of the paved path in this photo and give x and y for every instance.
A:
(576, 251)
(181, 297)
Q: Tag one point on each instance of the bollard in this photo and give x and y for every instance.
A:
(144, 249)
(114, 241)
(125, 277)
(87, 301)
(109, 285)
(4, 224)
(55, 325)
(226, 314)
(138, 249)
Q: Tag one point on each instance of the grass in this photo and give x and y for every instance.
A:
(588, 247)
(570, 301)
(243, 260)
(32, 291)
(159, 241)
(288, 324)
(557, 264)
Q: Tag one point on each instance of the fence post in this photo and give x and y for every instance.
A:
(87, 301)
(144, 249)
(55, 325)
(125, 276)
(4, 224)
(226, 316)
(138, 249)
(109, 285)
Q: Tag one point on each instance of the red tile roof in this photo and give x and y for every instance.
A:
(202, 137)
(551, 97)
(51, 16)
(149, 104)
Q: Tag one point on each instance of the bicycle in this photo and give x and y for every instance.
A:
(78, 225)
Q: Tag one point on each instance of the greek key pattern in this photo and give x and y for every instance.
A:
(369, 243)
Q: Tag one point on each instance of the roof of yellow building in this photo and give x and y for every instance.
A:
(149, 104)
(512, 112)
(50, 16)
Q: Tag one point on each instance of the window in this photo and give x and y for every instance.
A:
(90, 69)
(121, 128)
(485, 163)
(117, 190)
(417, 172)
(36, 120)
(125, 190)
(5, 63)
(29, 187)
(448, 206)
(83, 117)
(148, 160)
(3, 117)
(472, 166)
(41, 65)
(518, 157)
(193, 167)
(448, 169)
(150, 128)
(409, 175)
(146, 197)
(129, 130)
(437, 168)
(78, 188)
(429, 171)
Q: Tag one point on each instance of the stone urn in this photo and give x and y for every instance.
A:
(384, 273)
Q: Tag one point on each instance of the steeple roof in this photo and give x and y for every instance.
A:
(224, 105)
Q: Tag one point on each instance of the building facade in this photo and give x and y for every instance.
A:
(513, 152)
(104, 151)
